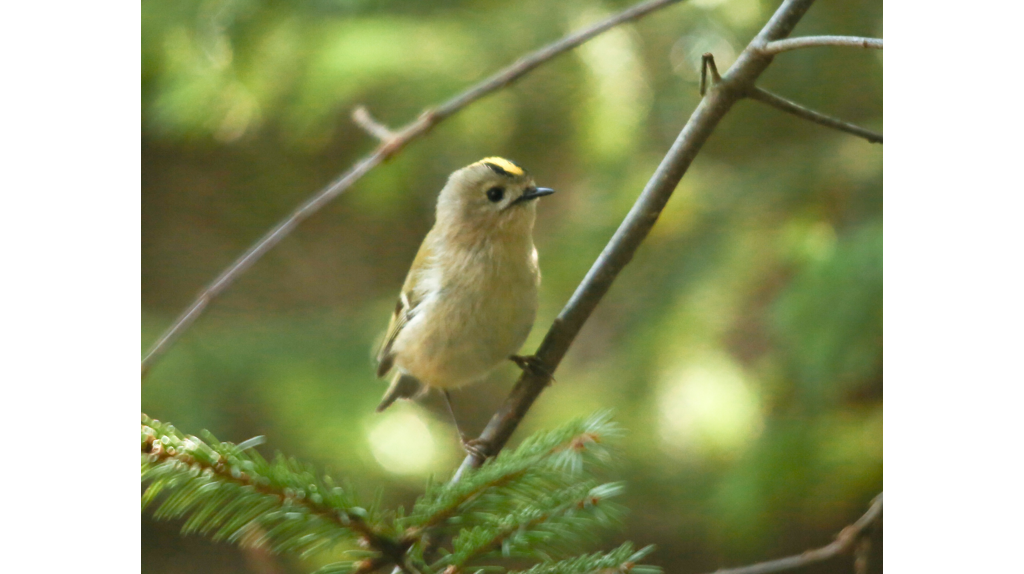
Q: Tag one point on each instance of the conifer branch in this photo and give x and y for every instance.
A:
(442, 512)
(526, 503)
(542, 462)
(231, 493)
(553, 520)
(391, 142)
(622, 560)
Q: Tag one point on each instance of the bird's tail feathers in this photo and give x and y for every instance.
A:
(403, 386)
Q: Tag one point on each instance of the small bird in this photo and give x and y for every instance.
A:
(470, 298)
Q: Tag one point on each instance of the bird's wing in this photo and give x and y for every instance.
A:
(408, 301)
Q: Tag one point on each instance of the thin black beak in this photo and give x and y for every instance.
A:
(533, 193)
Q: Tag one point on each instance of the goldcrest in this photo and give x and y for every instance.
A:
(470, 298)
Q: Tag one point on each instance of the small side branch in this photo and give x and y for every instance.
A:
(708, 62)
(362, 118)
(847, 540)
(766, 97)
(779, 46)
(862, 555)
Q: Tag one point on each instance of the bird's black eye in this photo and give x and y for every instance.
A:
(496, 194)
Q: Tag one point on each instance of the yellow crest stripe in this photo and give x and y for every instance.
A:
(504, 164)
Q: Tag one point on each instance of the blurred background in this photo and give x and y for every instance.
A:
(741, 349)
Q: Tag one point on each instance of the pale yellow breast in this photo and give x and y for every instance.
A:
(477, 310)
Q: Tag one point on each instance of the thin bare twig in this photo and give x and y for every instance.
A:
(778, 46)
(766, 97)
(362, 118)
(634, 228)
(708, 61)
(385, 150)
(862, 555)
(845, 542)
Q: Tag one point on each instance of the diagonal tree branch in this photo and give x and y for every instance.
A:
(846, 541)
(720, 97)
(778, 46)
(778, 102)
(388, 147)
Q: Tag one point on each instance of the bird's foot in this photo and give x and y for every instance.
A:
(533, 365)
(476, 448)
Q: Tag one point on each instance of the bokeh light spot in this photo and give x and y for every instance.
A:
(709, 408)
(402, 442)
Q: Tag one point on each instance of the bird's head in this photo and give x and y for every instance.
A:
(491, 195)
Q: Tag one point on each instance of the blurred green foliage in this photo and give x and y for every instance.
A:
(741, 347)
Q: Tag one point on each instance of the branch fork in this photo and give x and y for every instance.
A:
(778, 102)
